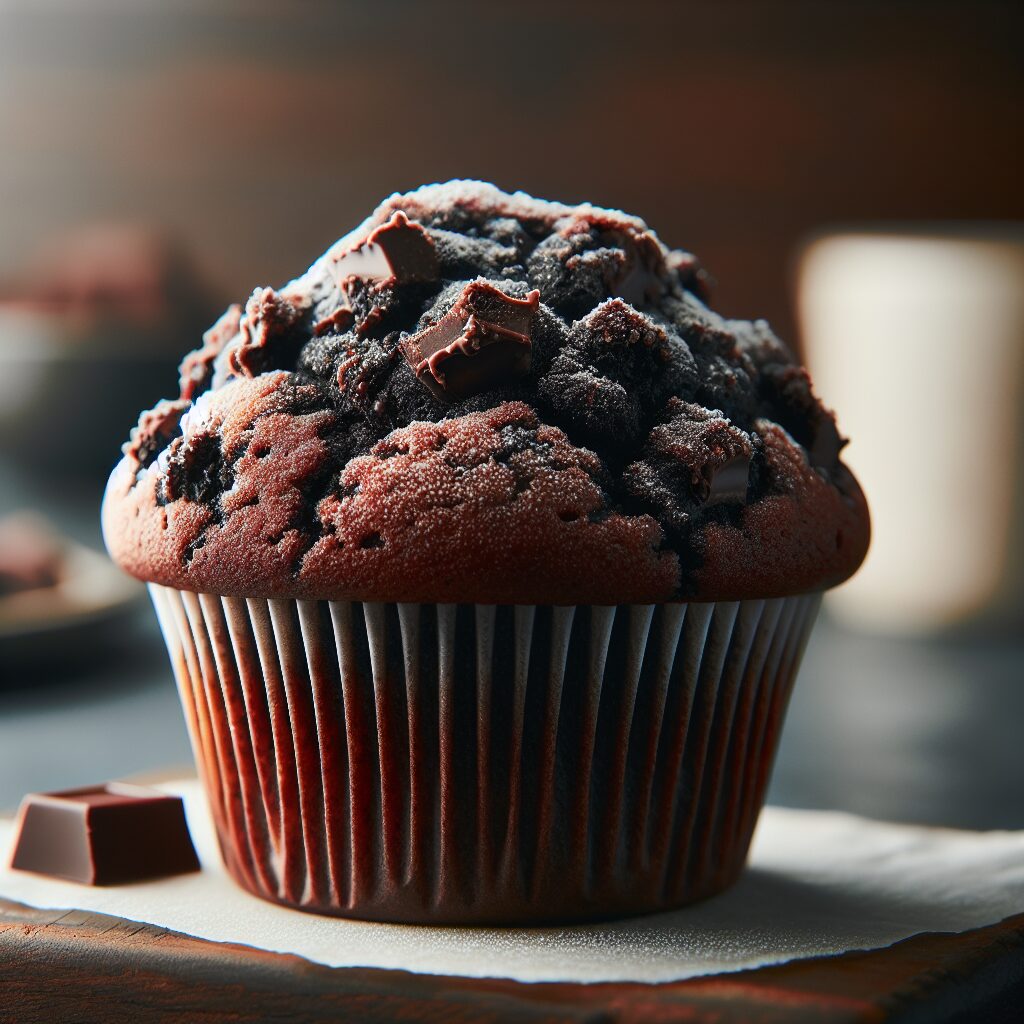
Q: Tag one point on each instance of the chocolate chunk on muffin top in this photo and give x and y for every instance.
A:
(484, 397)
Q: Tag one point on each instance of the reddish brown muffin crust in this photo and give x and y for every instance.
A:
(645, 449)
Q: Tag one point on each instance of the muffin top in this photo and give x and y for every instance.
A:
(485, 397)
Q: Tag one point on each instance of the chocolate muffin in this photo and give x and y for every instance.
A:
(485, 553)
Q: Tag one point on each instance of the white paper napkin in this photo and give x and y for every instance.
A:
(818, 883)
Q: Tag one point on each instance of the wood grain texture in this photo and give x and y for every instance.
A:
(60, 965)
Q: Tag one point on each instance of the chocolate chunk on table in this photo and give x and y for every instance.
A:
(104, 835)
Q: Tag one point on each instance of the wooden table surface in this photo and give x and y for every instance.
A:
(68, 965)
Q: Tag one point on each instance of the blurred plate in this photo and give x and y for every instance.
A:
(65, 620)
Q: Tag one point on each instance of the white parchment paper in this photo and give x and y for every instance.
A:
(818, 883)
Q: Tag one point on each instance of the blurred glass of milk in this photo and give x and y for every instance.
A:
(917, 339)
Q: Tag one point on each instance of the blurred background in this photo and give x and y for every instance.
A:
(854, 172)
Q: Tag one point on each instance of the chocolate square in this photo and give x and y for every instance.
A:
(727, 484)
(104, 835)
(483, 341)
(397, 251)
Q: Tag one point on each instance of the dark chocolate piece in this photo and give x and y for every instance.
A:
(398, 251)
(482, 341)
(104, 835)
(639, 283)
(728, 483)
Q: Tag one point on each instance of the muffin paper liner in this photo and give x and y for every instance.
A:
(483, 763)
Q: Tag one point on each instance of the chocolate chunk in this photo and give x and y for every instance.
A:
(397, 251)
(104, 835)
(696, 458)
(639, 282)
(728, 483)
(483, 341)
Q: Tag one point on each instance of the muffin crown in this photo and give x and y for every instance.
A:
(484, 397)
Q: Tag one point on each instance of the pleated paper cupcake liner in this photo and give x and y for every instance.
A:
(481, 763)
